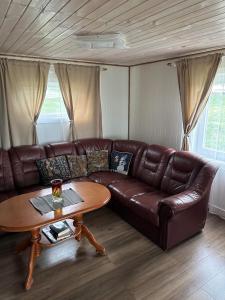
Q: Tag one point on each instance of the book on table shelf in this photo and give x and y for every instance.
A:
(57, 231)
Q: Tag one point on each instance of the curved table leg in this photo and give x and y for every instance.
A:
(35, 252)
(82, 230)
(77, 222)
(87, 233)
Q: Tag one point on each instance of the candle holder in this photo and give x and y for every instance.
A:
(57, 191)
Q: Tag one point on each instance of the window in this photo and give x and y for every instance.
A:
(53, 109)
(209, 136)
(53, 123)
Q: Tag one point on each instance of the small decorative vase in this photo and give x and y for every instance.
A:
(57, 191)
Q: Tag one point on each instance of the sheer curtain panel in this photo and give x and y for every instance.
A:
(80, 87)
(22, 90)
(195, 78)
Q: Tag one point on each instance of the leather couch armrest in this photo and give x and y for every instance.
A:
(199, 191)
(178, 203)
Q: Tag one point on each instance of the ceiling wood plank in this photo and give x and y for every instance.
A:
(204, 25)
(148, 9)
(111, 14)
(31, 14)
(4, 8)
(180, 23)
(69, 22)
(90, 18)
(162, 18)
(154, 29)
(46, 16)
(68, 41)
(12, 17)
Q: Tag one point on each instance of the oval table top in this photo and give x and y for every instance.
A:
(18, 214)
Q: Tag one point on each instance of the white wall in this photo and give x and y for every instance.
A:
(155, 112)
(114, 99)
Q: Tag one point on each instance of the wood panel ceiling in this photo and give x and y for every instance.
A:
(154, 29)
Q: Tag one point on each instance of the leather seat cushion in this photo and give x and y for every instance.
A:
(32, 188)
(147, 205)
(35, 188)
(7, 195)
(124, 190)
(107, 177)
(79, 179)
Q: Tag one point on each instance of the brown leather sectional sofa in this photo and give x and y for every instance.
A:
(165, 195)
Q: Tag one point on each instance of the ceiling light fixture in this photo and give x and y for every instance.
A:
(100, 41)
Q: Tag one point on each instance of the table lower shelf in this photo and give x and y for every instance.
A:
(45, 242)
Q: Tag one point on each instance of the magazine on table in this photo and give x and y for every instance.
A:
(58, 231)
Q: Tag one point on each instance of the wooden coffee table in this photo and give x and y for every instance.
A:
(18, 215)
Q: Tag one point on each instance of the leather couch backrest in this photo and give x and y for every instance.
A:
(56, 149)
(134, 147)
(182, 169)
(153, 163)
(24, 167)
(6, 176)
(86, 145)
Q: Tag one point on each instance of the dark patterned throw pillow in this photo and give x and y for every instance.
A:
(77, 165)
(52, 168)
(120, 161)
(98, 161)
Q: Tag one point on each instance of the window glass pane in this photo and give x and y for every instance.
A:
(53, 108)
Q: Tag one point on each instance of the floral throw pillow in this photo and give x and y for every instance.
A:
(52, 168)
(98, 161)
(77, 165)
(120, 162)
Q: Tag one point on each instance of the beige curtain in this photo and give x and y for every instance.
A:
(195, 77)
(80, 88)
(22, 90)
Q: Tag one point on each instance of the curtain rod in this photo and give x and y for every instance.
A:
(54, 60)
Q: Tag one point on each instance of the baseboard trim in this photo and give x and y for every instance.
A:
(215, 210)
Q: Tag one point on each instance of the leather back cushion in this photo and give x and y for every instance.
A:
(6, 177)
(64, 148)
(134, 147)
(87, 145)
(153, 164)
(181, 171)
(24, 166)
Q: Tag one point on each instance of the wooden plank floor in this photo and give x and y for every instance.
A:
(133, 269)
